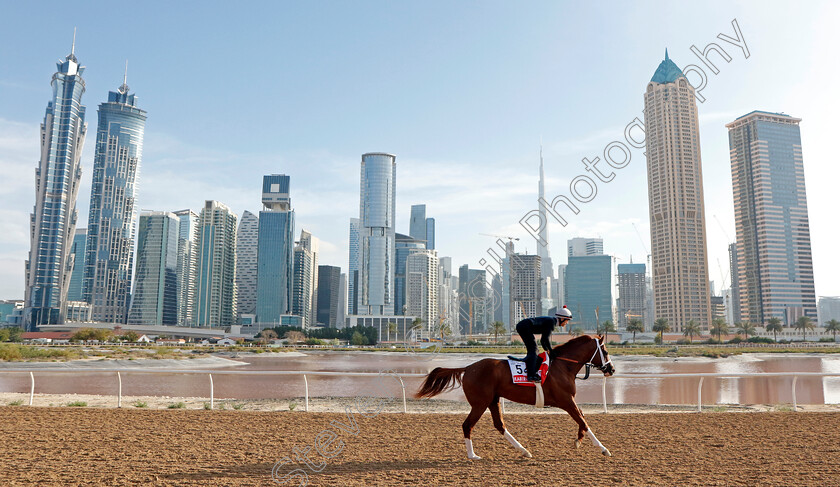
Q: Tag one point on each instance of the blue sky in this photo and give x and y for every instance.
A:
(461, 92)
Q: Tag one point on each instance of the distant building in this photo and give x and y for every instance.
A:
(216, 293)
(525, 286)
(417, 223)
(187, 270)
(404, 245)
(588, 290)
(734, 290)
(341, 313)
(473, 301)
(78, 311)
(585, 246)
(632, 294)
(247, 238)
(353, 269)
(275, 255)
(422, 281)
(718, 307)
(329, 285)
(156, 283)
(304, 280)
(430, 233)
(829, 309)
(773, 236)
(74, 292)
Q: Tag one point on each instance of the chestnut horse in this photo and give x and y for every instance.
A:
(485, 381)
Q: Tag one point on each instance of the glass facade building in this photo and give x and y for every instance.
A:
(74, 292)
(354, 262)
(632, 294)
(375, 288)
(404, 245)
(57, 179)
(216, 290)
(155, 300)
(775, 271)
(110, 243)
(187, 271)
(329, 284)
(588, 287)
(275, 250)
(246, 264)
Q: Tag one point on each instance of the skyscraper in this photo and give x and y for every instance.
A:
(246, 264)
(632, 294)
(585, 246)
(430, 233)
(675, 194)
(422, 282)
(304, 280)
(329, 284)
(735, 289)
(376, 234)
(404, 245)
(417, 223)
(155, 300)
(353, 272)
(525, 286)
(187, 271)
(773, 237)
(547, 269)
(216, 292)
(74, 293)
(589, 290)
(275, 253)
(57, 178)
(473, 302)
(110, 242)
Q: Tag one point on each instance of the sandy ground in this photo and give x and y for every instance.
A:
(114, 447)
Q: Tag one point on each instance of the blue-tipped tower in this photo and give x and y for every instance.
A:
(667, 72)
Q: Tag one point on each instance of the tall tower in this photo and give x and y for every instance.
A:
(109, 252)
(216, 292)
(156, 283)
(546, 269)
(775, 271)
(187, 270)
(305, 279)
(422, 282)
(246, 264)
(53, 219)
(75, 291)
(376, 234)
(275, 252)
(675, 194)
(353, 272)
(417, 223)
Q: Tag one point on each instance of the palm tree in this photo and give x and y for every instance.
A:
(445, 330)
(774, 325)
(661, 326)
(392, 327)
(745, 328)
(608, 327)
(719, 327)
(805, 324)
(497, 328)
(690, 329)
(635, 326)
(415, 328)
(833, 326)
(576, 331)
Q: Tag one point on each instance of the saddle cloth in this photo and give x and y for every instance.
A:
(517, 371)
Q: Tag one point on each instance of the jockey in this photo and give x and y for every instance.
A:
(544, 325)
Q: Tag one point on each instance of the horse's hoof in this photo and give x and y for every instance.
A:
(577, 443)
(527, 454)
(606, 453)
(474, 457)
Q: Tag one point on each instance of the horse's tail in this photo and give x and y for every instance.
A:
(440, 380)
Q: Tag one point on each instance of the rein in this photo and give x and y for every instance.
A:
(589, 364)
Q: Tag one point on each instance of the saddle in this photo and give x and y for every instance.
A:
(517, 369)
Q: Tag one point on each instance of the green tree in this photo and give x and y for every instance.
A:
(774, 325)
(445, 330)
(605, 329)
(805, 324)
(576, 331)
(267, 335)
(131, 336)
(358, 339)
(4, 334)
(498, 328)
(635, 326)
(719, 328)
(691, 329)
(661, 326)
(745, 328)
(15, 334)
(392, 328)
(833, 326)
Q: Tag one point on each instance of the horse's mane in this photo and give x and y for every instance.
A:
(573, 343)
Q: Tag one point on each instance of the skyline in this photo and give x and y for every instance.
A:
(476, 176)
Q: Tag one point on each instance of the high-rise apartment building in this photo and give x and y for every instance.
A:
(525, 286)
(430, 233)
(341, 314)
(828, 309)
(734, 290)
(74, 292)
(675, 193)
(417, 223)
(216, 291)
(275, 253)
(422, 281)
(473, 300)
(246, 264)
(632, 294)
(327, 302)
(57, 178)
(187, 269)
(403, 246)
(375, 288)
(353, 272)
(585, 246)
(773, 237)
(589, 290)
(155, 300)
(110, 242)
(304, 280)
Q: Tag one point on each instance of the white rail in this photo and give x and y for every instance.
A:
(700, 375)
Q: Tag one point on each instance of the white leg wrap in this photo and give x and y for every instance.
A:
(597, 443)
(517, 445)
(470, 454)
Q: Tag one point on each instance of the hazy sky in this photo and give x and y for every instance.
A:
(461, 92)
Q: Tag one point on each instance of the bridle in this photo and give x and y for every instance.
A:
(599, 351)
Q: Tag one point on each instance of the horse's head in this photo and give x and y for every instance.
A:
(601, 357)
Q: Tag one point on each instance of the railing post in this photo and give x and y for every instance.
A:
(32, 388)
(405, 407)
(700, 396)
(211, 390)
(793, 391)
(119, 390)
(306, 393)
(604, 393)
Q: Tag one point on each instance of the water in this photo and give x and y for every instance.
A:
(771, 390)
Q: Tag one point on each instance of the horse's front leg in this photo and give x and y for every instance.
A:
(583, 427)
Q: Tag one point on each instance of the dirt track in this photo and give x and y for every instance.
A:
(109, 447)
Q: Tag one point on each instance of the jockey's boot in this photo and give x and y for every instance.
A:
(531, 364)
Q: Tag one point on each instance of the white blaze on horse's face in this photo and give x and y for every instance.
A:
(606, 364)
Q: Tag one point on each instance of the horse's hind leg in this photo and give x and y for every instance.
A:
(472, 419)
(499, 423)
